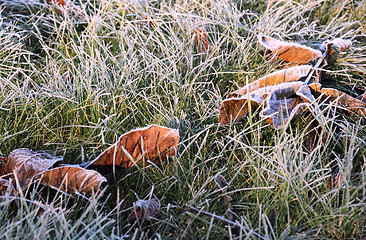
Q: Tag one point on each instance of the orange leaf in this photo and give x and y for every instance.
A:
(200, 38)
(290, 52)
(58, 4)
(26, 164)
(345, 101)
(252, 95)
(286, 75)
(285, 102)
(340, 43)
(149, 143)
(73, 179)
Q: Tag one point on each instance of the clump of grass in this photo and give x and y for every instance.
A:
(84, 88)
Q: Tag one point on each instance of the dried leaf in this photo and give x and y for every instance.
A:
(290, 52)
(345, 101)
(286, 75)
(252, 95)
(149, 143)
(26, 164)
(221, 181)
(312, 135)
(286, 102)
(3, 161)
(6, 186)
(145, 209)
(335, 181)
(200, 38)
(73, 179)
(339, 43)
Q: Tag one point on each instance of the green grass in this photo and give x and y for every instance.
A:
(73, 91)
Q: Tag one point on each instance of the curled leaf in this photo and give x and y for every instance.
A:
(26, 164)
(145, 209)
(345, 101)
(340, 44)
(292, 74)
(288, 51)
(149, 143)
(73, 179)
(200, 38)
(253, 95)
(286, 102)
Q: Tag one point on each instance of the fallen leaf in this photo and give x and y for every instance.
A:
(73, 179)
(3, 161)
(344, 101)
(58, 4)
(291, 74)
(26, 164)
(149, 143)
(334, 181)
(6, 186)
(200, 38)
(145, 209)
(285, 102)
(339, 43)
(312, 135)
(252, 95)
(288, 51)
(221, 182)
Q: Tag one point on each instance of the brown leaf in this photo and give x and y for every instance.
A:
(339, 43)
(58, 4)
(291, 74)
(3, 161)
(26, 164)
(145, 209)
(6, 186)
(334, 181)
(285, 102)
(200, 38)
(290, 52)
(345, 101)
(252, 95)
(234, 109)
(73, 179)
(149, 143)
(312, 135)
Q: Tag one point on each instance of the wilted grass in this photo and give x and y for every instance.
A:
(74, 90)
